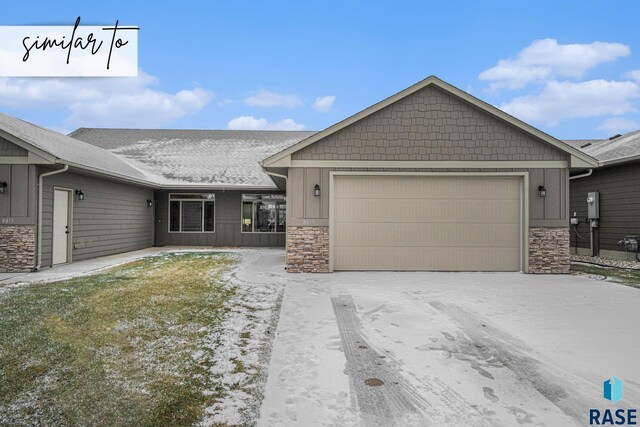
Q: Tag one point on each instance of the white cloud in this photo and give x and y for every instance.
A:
(324, 104)
(546, 59)
(265, 98)
(565, 100)
(252, 123)
(619, 125)
(633, 74)
(115, 102)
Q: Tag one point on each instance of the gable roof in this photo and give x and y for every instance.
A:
(192, 158)
(432, 80)
(624, 148)
(57, 148)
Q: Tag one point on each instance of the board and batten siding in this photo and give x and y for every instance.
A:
(113, 217)
(19, 203)
(305, 209)
(619, 188)
(228, 223)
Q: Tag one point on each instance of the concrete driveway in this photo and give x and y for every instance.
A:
(448, 348)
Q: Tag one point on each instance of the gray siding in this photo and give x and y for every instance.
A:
(305, 209)
(9, 149)
(619, 188)
(113, 217)
(430, 125)
(18, 204)
(227, 224)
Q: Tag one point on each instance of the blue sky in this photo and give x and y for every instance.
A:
(565, 67)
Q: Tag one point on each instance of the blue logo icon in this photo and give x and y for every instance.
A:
(613, 389)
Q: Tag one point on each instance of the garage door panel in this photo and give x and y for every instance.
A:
(427, 210)
(398, 187)
(439, 259)
(418, 222)
(427, 234)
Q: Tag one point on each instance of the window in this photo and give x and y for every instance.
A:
(192, 213)
(264, 213)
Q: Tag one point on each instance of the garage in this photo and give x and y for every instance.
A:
(430, 178)
(427, 222)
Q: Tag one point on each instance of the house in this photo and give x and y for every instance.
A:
(431, 178)
(617, 183)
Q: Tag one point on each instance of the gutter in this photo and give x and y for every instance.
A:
(583, 175)
(39, 231)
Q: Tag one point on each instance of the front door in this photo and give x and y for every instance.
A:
(61, 217)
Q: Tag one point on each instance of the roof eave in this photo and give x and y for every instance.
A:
(619, 161)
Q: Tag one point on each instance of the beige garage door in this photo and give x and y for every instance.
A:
(413, 222)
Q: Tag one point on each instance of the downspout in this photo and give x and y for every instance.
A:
(279, 175)
(575, 227)
(39, 232)
(584, 175)
(286, 233)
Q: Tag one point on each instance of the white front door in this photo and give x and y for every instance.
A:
(60, 226)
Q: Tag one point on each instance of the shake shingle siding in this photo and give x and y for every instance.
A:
(430, 125)
(619, 189)
(113, 217)
(9, 149)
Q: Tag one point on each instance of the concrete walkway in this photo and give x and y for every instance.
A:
(67, 271)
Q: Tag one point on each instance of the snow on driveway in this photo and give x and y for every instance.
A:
(385, 348)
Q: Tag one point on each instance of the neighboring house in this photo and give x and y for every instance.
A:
(617, 180)
(428, 179)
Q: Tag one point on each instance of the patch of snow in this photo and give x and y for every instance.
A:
(239, 349)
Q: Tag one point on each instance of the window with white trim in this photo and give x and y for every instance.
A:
(264, 213)
(192, 213)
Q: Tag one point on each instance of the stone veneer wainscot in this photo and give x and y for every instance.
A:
(17, 248)
(308, 249)
(549, 250)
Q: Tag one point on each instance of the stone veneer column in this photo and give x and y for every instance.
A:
(17, 247)
(308, 249)
(549, 250)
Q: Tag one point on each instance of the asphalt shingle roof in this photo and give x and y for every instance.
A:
(616, 150)
(188, 157)
(70, 150)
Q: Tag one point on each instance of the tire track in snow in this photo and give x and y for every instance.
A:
(383, 396)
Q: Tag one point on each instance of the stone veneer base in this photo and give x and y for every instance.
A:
(549, 250)
(17, 248)
(308, 249)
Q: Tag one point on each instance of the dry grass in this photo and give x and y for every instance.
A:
(114, 348)
(619, 275)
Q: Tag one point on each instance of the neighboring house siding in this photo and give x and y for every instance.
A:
(19, 202)
(113, 217)
(18, 217)
(430, 125)
(9, 149)
(305, 209)
(619, 188)
(228, 212)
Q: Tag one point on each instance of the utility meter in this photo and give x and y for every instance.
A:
(593, 205)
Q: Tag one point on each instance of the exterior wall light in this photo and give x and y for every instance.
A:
(80, 194)
(542, 190)
(149, 202)
(3, 186)
(316, 191)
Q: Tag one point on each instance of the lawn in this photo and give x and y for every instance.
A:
(139, 344)
(619, 275)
